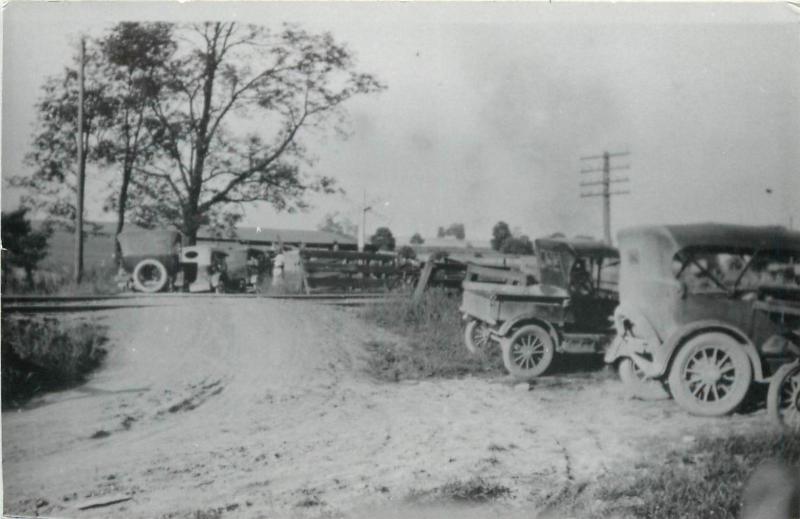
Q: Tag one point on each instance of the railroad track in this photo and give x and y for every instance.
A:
(48, 304)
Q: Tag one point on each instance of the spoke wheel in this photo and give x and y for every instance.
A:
(149, 275)
(783, 397)
(637, 385)
(528, 352)
(478, 337)
(710, 375)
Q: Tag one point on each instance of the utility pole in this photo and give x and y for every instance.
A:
(81, 170)
(605, 184)
(362, 232)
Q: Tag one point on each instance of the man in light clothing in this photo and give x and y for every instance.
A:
(278, 262)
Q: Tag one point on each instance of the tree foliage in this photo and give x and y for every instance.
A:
(500, 233)
(407, 252)
(231, 121)
(383, 239)
(51, 188)
(417, 239)
(199, 119)
(338, 224)
(455, 230)
(122, 74)
(517, 245)
(23, 247)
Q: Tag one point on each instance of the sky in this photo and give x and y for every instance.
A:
(490, 107)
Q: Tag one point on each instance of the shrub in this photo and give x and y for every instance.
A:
(41, 355)
(434, 346)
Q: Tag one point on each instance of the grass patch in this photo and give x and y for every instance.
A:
(475, 490)
(434, 347)
(96, 281)
(705, 480)
(43, 355)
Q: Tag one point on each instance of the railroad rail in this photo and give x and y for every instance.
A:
(91, 303)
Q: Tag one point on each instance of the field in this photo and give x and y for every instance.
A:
(221, 406)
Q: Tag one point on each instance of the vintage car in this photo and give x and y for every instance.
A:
(701, 315)
(149, 259)
(153, 260)
(567, 309)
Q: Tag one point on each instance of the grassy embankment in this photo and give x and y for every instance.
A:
(44, 355)
(707, 480)
(434, 345)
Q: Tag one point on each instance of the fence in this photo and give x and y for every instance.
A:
(325, 270)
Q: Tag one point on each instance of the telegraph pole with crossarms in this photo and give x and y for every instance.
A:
(605, 184)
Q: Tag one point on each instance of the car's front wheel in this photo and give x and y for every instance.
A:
(783, 397)
(528, 352)
(710, 375)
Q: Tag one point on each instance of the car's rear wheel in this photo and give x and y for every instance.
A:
(710, 375)
(783, 397)
(149, 275)
(478, 337)
(637, 385)
(528, 352)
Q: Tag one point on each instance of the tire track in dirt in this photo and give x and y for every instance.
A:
(272, 407)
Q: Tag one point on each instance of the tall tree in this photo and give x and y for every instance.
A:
(230, 124)
(133, 62)
(500, 233)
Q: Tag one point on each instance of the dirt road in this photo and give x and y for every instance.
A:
(258, 408)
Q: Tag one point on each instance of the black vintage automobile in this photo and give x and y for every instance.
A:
(566, 310)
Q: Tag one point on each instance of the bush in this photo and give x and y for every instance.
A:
(42, 355)
(97, 281)
(434, 346)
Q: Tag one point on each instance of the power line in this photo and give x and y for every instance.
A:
(605, 182)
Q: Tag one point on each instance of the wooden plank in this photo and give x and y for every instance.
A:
(316, 266)
(102, 501)
(424, 279)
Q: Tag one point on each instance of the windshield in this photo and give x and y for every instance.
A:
(727, 272)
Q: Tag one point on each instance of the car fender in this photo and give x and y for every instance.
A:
(664, 355)
(529, 318)
(624, 345)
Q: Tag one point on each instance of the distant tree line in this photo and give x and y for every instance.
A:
(186, 123)
(504, 241)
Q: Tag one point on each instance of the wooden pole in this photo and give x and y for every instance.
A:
(81, 170)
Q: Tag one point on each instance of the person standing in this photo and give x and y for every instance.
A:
(278, 264)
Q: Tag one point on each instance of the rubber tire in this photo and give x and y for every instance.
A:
(743, 375)
(541, 367)
(784, 373)
(162, 271)
(472, 347)
(639, 388)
